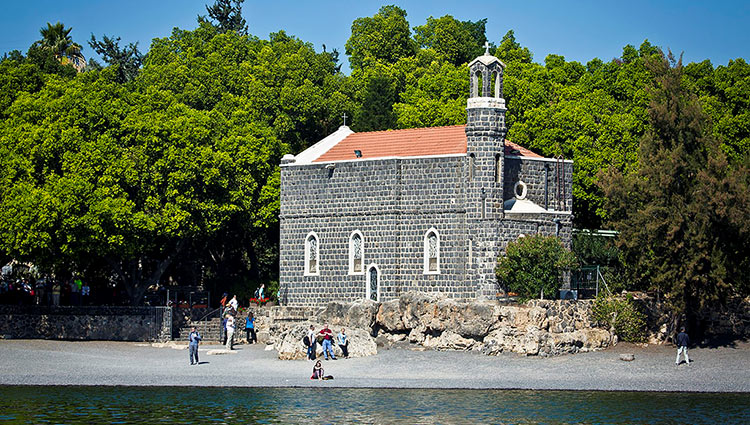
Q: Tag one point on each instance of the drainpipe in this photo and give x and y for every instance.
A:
(557, 227)
(546, 186)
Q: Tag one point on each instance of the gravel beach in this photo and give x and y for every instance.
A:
(43, 362)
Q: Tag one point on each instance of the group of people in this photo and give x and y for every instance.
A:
(230, 310)
(44, 291)
(325, 337)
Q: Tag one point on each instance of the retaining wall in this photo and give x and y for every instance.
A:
(86, 323)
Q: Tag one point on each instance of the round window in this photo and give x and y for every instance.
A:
(520, 190)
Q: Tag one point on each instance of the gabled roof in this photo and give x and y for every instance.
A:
(413, 142)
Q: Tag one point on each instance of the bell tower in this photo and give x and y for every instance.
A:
(485, 136)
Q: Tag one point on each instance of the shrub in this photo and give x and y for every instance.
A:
(622, 315)
(532, 266)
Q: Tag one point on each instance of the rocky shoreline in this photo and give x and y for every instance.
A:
(537, 328)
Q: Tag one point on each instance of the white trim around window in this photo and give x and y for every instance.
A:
(356, 253)
(432, 252)
(311, 266)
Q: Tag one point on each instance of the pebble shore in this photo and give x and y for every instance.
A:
(44, 362)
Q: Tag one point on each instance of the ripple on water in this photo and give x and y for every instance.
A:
(180, 405)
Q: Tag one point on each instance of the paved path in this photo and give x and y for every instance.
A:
(40, 362)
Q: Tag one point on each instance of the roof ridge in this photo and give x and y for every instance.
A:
(407, 129)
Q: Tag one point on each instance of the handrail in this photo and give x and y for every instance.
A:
(204, 326)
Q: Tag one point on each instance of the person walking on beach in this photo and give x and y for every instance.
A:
(310, 338)
(327, 342)
(230, 331)
(683, 340)
(195, 339)
(343, 343)
(250, 328)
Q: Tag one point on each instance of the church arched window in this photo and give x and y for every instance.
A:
(356, 253)
(312, 255)
(431, 252)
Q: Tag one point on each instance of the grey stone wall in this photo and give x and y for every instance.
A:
(393, 203)
(86, 323)
(533, 173)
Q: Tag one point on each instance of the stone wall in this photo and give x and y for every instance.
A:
(435, 321)
(532, 172)
(86, 323)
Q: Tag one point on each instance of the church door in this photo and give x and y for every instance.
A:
(373, 283)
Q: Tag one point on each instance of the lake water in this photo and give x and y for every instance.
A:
(177, 405)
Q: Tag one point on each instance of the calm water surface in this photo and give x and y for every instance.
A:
(172, 405)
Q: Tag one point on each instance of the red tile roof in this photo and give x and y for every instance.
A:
(408, 143)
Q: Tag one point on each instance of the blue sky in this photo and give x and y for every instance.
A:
(578, 30)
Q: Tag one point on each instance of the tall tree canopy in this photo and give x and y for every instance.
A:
(126, 59)
(384, 37)
(456, 41)
(226, 15)
(684, 214)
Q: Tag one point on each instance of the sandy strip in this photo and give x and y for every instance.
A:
(40, 362)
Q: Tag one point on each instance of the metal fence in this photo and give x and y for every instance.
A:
(161, 324)
(588, 282)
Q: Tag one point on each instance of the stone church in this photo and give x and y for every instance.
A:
(376, 214)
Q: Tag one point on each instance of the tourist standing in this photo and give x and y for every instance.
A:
(85, 293)
(683, 340)
(230, 331)
(311, 343)
(233, 305)
(343, 343)
(195, 339)
(250, 336)
(327, 342)
(75, 291)
(56, 293)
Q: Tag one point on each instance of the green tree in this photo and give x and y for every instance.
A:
(683, 214)
(532, 266)
(456, 41)
(376, 112)
(384, 37)
(226, 16)
(127, 60)
(56, 38)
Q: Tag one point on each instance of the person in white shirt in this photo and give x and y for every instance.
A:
(230, 331)
(233, 304)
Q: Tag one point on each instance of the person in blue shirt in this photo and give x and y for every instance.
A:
(343, 343)
(195, 339)
(250, 328)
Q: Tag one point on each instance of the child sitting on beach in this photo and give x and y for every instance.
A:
(318, 372)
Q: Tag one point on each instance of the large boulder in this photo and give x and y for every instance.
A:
(449, 340)
(290, 346)
(357, 314)
(389, 317)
